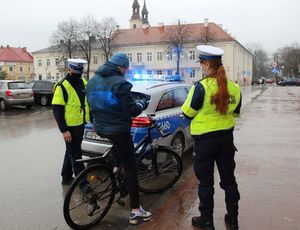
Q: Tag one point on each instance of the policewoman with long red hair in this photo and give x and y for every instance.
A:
(212, 105)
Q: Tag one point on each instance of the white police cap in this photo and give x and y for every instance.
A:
(76, 64)
(207, 53)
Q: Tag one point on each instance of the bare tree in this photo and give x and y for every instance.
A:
(107, 32)
(65, 36)
(289, 58)
(206, 35)
(261, 61)
(85, 36)
(177, 36)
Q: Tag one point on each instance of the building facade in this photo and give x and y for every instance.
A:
(17, 63)
(150, 51)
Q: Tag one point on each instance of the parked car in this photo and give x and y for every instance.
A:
(290, 82)
(43, 91)
(14, 93)
(166, 98)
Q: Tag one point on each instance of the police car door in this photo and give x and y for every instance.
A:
(168, 113)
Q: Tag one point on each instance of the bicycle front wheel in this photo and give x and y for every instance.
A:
(89, 197)
(158, 171)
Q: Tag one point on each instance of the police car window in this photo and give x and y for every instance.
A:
(166, 101)
(179, 97)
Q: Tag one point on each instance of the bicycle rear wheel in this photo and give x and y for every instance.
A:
(89, 197)
(158, 171)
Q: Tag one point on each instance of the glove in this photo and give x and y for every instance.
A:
(143, 103)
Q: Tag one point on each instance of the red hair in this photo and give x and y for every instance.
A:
(221, 98)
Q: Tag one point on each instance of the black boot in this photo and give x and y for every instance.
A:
(202, 222)
(232, 222)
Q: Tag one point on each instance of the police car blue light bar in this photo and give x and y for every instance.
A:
(156, 77)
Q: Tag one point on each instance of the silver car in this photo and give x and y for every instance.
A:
(13, 93)
(166, 99)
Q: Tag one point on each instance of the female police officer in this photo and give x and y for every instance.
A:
(212, 104)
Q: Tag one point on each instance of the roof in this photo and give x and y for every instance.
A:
(159, 34)
(12, 54)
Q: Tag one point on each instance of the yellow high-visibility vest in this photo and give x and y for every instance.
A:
(73, 111)
(207, 119)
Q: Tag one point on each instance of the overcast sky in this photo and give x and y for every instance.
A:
(273, 24)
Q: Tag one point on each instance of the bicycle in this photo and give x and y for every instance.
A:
(93, 191)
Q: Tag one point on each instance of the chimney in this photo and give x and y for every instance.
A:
(1, 47)
(7, 46)
(205, 22)
(25, 49)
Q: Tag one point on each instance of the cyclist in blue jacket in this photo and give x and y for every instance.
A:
(112, 108)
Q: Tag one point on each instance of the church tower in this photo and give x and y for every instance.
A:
(135, 21)
(145, 14)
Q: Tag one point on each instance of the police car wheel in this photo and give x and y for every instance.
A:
(178, 143)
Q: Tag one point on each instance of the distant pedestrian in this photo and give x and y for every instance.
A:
(71, 112)
(212, 105)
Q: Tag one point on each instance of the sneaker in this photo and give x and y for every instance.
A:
(232, 222)
(139, 216)
(203, 223)
(67, 181)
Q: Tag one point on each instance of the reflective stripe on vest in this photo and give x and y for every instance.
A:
(73, 111)
(207, 119)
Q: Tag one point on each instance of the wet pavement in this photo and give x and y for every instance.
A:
(268, 167)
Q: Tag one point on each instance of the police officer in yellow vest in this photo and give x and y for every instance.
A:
(212, 105)
(71, 112)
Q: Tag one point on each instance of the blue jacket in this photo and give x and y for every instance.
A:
(111, 103)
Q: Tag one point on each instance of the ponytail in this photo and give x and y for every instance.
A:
(221, 98)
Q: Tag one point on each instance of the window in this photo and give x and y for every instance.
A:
(149, 56)
(166, 101)
(28, 69)
(169, 56)
(0, 68)
(169, 72)
(179, 97)
(139, 57)
(192, 55)
(21, 69)
(192, 73)
(11, 68)
(159, 72)
(95, 60)
(159, 56)
(48, 62)
(129, 55)
(149, 72)
(56, 61)
(40, 77)
(40, 63)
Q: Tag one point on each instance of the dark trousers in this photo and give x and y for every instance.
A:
(73, 153)
(219, 149)
(124, 150)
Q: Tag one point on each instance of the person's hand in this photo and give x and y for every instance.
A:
(143, 103)
(67, 136)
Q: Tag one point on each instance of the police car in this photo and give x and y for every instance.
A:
(166, 95)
